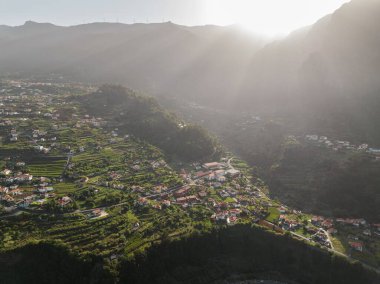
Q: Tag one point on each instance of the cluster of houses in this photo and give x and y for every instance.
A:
(317, 229)
(22, 101)
(362, 225)
(287, 223)
(334, 144)
(226, 216)
(218, 176)
(210, 175)
(115, 179)
(229, 198)
(9, 186)
(21, 190)
(338, 145)
(14, 101)
(363, 229)
(324, 227)
(91, 121)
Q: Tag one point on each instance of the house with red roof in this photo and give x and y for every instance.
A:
(212, 165)
(356, 246)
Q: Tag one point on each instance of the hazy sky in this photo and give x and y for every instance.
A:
(268, 17)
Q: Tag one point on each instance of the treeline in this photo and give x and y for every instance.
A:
(226, 255)
(144, 118)
(51, 263)
(241, 252)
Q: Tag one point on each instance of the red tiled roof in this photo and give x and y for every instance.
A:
(356, 244)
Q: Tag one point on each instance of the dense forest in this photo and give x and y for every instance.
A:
(338, 184)
(239, 253)
(225, 255)
(143, 117)
(47, 263)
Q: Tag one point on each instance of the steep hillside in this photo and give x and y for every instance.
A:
(337, 55)
(323, 77)
(50, 263)
(228, 255)
(145, 118)
(320, 77)
(237, 254)
(328, 183)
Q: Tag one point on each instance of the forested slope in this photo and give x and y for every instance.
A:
(143, 117)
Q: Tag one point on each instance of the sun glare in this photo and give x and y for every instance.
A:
(269, 17)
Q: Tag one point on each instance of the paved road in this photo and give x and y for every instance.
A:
(335, 251)
(69, 157)
(299, 236)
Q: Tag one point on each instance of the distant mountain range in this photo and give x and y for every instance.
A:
(327, 73)
(155, 58)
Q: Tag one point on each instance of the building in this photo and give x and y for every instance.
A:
(358, 246)
(64, 201)
(181, 192)
(212, 166)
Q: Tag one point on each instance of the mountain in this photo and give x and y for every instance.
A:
(155, 58)
(321, 79)
(338, 55)
(325, 76)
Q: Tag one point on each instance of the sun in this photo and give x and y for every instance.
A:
(268, 17)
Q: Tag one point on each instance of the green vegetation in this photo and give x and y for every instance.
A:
(92, 188)
(51, 262)
(308, 176)
(329, 183)
(144, 118)
(51, 167)
(235, 253)
(273, 214)
(240, 253)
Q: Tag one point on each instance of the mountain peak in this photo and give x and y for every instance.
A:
(31, 23)
(36, 24)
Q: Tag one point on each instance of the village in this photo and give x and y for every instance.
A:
(339, 145)
(64, 163)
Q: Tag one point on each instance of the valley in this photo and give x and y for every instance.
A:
(95, 185)
(190, 142)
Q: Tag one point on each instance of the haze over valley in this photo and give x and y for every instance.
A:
(239, 143)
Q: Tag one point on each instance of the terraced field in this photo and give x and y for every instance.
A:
(114, 234)
(65, 188)
(47, 167)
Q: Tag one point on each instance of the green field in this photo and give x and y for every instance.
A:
(52, 167)
(273, 214)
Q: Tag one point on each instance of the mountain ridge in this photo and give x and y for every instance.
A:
(319, 71)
